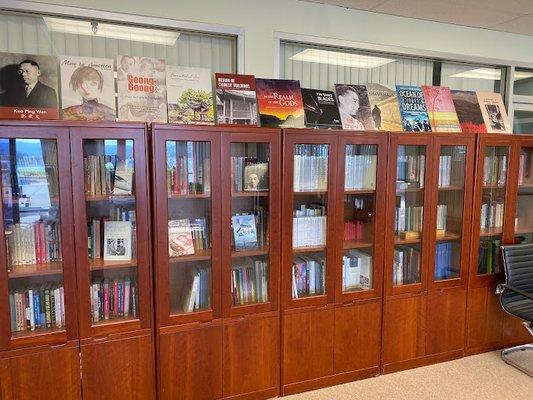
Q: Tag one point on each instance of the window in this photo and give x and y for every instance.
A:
(522, 113)
(477, 78)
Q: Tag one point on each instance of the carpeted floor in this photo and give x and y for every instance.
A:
(480, 377)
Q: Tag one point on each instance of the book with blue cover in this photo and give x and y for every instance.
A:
(244, 231)
(413, 109)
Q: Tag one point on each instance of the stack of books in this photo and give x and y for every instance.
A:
(360, 169)
(309, 226)
(113, 298)
(308, 276)
(188, 167)
(494, 170)
(406, 265)
(34, 243)
(310, 167)
(249, 281)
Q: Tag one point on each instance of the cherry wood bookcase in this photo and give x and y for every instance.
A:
(217, 247)
(429, 204)
(332, 256)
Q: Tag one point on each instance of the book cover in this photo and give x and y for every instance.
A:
(256, 176)
(180, 242)
(236, 99)
(244, 231)
(384, 107)
(413, 109)
(28, 87)
(280, 103)
(468, 111)
(142, 92)
(87, 89)
(123, 183)
(117, 240)
(190, 95)
(494, 113)
(354, 107)
(441, 111)
(320, 107)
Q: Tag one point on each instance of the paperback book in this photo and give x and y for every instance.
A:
(384, 107)
(117, 240)
(280, 103)
(468, 111)
(321, 109)
(180, 238)
(190, 95)
(244, 231)
(441, 111)
(413, 109)
(354, 108)
(236, 99)
(494, 113)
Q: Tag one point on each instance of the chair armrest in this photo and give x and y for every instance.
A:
(502, 286)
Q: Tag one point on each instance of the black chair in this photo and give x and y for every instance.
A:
(516, 294)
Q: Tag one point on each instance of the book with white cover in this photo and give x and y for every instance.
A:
(117, 240)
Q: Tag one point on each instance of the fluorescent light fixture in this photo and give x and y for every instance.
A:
(338, 58)
(522, 75)
(480, 73)
(130, 33)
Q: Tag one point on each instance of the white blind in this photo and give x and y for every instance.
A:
(29, 34)
(471, 77)
(328, 66)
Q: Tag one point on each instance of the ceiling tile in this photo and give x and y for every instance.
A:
(356, 4)
(512, 6)
(522, 25)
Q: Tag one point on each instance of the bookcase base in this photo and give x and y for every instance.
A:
(422, 361)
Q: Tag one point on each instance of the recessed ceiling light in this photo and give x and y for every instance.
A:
(339, 58)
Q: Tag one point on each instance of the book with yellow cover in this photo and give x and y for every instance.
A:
(441, 110)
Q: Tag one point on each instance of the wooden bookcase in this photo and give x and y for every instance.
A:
(498, 183)
(228, 334)
(331, 321)
(427, 253)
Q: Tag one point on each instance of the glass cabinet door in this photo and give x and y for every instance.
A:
(189, 225)
(524, 201)
(450, 206)
(32, 224)
(310, 213)
(359, 216)
(250, 195)
(109, 169)
(494, 179)
(409, 214)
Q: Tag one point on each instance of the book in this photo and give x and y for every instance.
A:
(28, 87)
(384, 107)
(113, 298)
(406, 265)
(34, 243)
(180, 239)
(309, 226)
(494, 113)
(357, 270)
(468, 111)
(123, 179)
(249, 281)
(142, 91)
(188, 167)
(310, 171)
(308, 275)
(354, 107)
(360, 167)
(255, 177)
(244, 231)
(441, 110)
(444, 268)
(280, 103)
(87, 88)
(236, 99)
(320, 107)
(413, 109)
(117, 240)
(189, 95)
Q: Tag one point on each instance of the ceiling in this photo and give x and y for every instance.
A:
(515, 16)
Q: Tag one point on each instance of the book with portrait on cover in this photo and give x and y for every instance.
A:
(354, 107)
(494, 113)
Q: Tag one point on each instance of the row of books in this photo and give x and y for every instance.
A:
(445, 171)
(100, 233)
(489, 256)
(249, 174)
(198, 295)
(408, 219)
(354, 230)
(107, 175)
(444, 268)
(356, 271)
(250, 229)
(491, 215)
(410, 171)
(442, 211)
(494, 170)
(40, 307)
(34, 243)
(309, 225)
(308, 275)
(525, 170)
(406, 265)
(310, 167)
(188, 167)
(249, 281)
(186, 237)
(113, 298)
(360, 170)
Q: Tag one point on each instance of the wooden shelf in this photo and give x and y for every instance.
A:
(524, 230)
(189, 196)
(101, 264)
(525, 186)
(36, 332)
(311, 193)
(491, 232)
(251, 193)
(126, 197)
(309, 249)
(259, 251)
(27, 271)
(410, 190)
(356, 244)
(359, 191)
(448, 236)
(117, 320)
(493, 187)
(399, 240)
(200, 255)
(451, 188)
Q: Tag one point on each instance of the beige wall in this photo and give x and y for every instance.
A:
(261, 18)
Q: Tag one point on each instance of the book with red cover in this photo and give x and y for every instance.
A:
(468, 111)
(236, 99)
(280, 103)
(441, 111)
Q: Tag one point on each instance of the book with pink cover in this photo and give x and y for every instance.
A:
(441, 110)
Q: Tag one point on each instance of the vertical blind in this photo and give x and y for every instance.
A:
(20, 33)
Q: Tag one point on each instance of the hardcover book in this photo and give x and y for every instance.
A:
(117, 240)
(494, 113)
(384, 107)
(468, 111)
(236, 99)
(280, 103)
(413, 109)
(441, 111)
(180, 242)
(244, 231)
(190, 95)
(142, 89)
(256, 176)
(354, 108)
(87, 89)
(123, 179)
(28, 87)
(321, 109)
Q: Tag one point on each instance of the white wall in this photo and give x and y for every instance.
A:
(261, 18)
